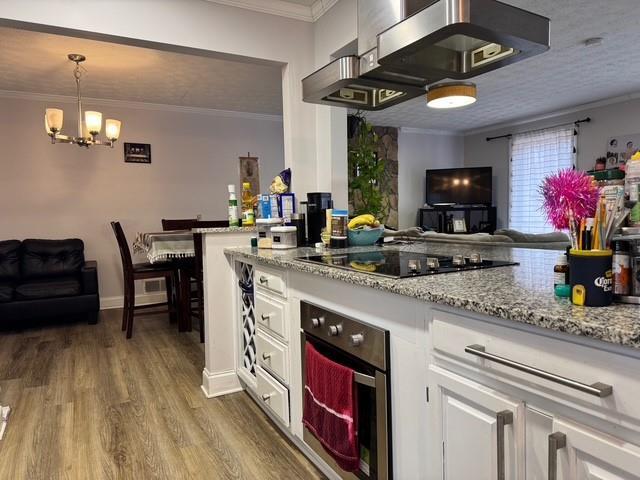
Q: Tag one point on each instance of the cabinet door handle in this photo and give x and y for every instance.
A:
(266, 397)
(597, 389)
(265, 317)
(503, 418)
(557, 440)
(266, 356)
(263, 279)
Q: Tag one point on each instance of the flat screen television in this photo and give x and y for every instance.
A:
(461, 186)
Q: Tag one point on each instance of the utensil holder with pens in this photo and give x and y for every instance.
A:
(591, 277)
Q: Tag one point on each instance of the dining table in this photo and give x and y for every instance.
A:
(178, 247)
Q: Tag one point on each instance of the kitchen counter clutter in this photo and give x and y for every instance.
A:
(224, 230)
(522, 293)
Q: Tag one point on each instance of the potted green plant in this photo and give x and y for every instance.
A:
(367, 173)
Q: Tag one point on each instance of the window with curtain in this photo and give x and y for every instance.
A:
(534, 155)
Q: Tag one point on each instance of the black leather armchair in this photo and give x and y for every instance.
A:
(47, 279)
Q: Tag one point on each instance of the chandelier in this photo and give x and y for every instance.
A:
(88, 130)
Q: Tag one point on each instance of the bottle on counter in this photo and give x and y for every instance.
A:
(560, 274)
(621, 268)
(248, 213)
(233, 206)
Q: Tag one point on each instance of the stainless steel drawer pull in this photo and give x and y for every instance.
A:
(503, 419)
(265, 317)
(557, 440)
(263, 279)
(266, 356)
(266, 397)
(597, 389)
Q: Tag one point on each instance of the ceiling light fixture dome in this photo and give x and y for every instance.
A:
(451, 95)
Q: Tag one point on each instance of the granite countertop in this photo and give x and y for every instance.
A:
(522, 293)
(224, 230)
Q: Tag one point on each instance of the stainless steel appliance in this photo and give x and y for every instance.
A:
(403, 264)
(364, 348)
(404, 45)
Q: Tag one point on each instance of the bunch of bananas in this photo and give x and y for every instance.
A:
(366, 220)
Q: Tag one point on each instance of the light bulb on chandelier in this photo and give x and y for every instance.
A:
(88, 130)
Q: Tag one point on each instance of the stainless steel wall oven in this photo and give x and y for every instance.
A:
(365, 349)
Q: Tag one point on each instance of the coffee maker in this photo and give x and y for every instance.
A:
(317, 205)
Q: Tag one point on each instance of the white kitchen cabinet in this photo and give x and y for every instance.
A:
(586, 454)
(481, 432)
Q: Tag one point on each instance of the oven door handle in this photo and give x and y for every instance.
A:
(363, 379)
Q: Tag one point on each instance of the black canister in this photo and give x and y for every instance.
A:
(591, 277)
(317, 205)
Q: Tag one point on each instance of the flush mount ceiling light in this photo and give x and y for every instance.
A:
(451, 95)
(87, 131)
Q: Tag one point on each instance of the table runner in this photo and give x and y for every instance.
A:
(162, 246)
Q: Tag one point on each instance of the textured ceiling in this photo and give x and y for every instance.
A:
(569, 74)
(37, 62)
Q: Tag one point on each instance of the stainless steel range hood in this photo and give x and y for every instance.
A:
(404, 45)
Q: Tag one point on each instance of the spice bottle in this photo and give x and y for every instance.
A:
(560, 271)
(621, 268)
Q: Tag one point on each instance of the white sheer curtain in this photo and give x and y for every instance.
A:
(534, 155)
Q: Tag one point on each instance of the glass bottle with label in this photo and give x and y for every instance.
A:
(248, 214)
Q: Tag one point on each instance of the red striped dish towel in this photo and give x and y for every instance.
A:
(330, 408)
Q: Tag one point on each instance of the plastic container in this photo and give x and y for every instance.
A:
(284, 237)
(591, 277)
(264, 226)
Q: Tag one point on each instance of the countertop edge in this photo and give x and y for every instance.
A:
(609, 335)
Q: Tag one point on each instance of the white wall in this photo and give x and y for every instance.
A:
(61, 191)
(209, 27)
(606, 121)
(419, 150)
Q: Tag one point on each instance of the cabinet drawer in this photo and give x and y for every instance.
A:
(270, 314)
(270, 280)
(452, 334)
(273, 356)
(273, 394)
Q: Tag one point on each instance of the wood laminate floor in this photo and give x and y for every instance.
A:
(88, 404)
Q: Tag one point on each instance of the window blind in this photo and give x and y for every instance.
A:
(534, 155)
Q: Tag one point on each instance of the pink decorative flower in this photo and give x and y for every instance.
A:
(569, 193)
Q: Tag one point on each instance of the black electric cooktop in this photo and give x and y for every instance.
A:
(402, 264)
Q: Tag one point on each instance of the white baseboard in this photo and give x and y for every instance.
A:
(220, 383)
(107, 303)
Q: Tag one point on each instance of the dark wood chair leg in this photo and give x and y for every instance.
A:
(125, 306)
(201, 309)
(171, 298)
(130, 309)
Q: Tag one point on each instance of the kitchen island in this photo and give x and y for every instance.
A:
(485, 366)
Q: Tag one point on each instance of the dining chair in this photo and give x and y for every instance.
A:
(169, 224)
(140, 271)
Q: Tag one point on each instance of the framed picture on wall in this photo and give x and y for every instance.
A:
(137, 153)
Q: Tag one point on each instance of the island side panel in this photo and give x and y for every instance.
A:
(220, 308)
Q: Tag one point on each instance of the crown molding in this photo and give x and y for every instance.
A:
(320, 7)
(430, 131)
(212, 112)
(283, 8)
(555, 114)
